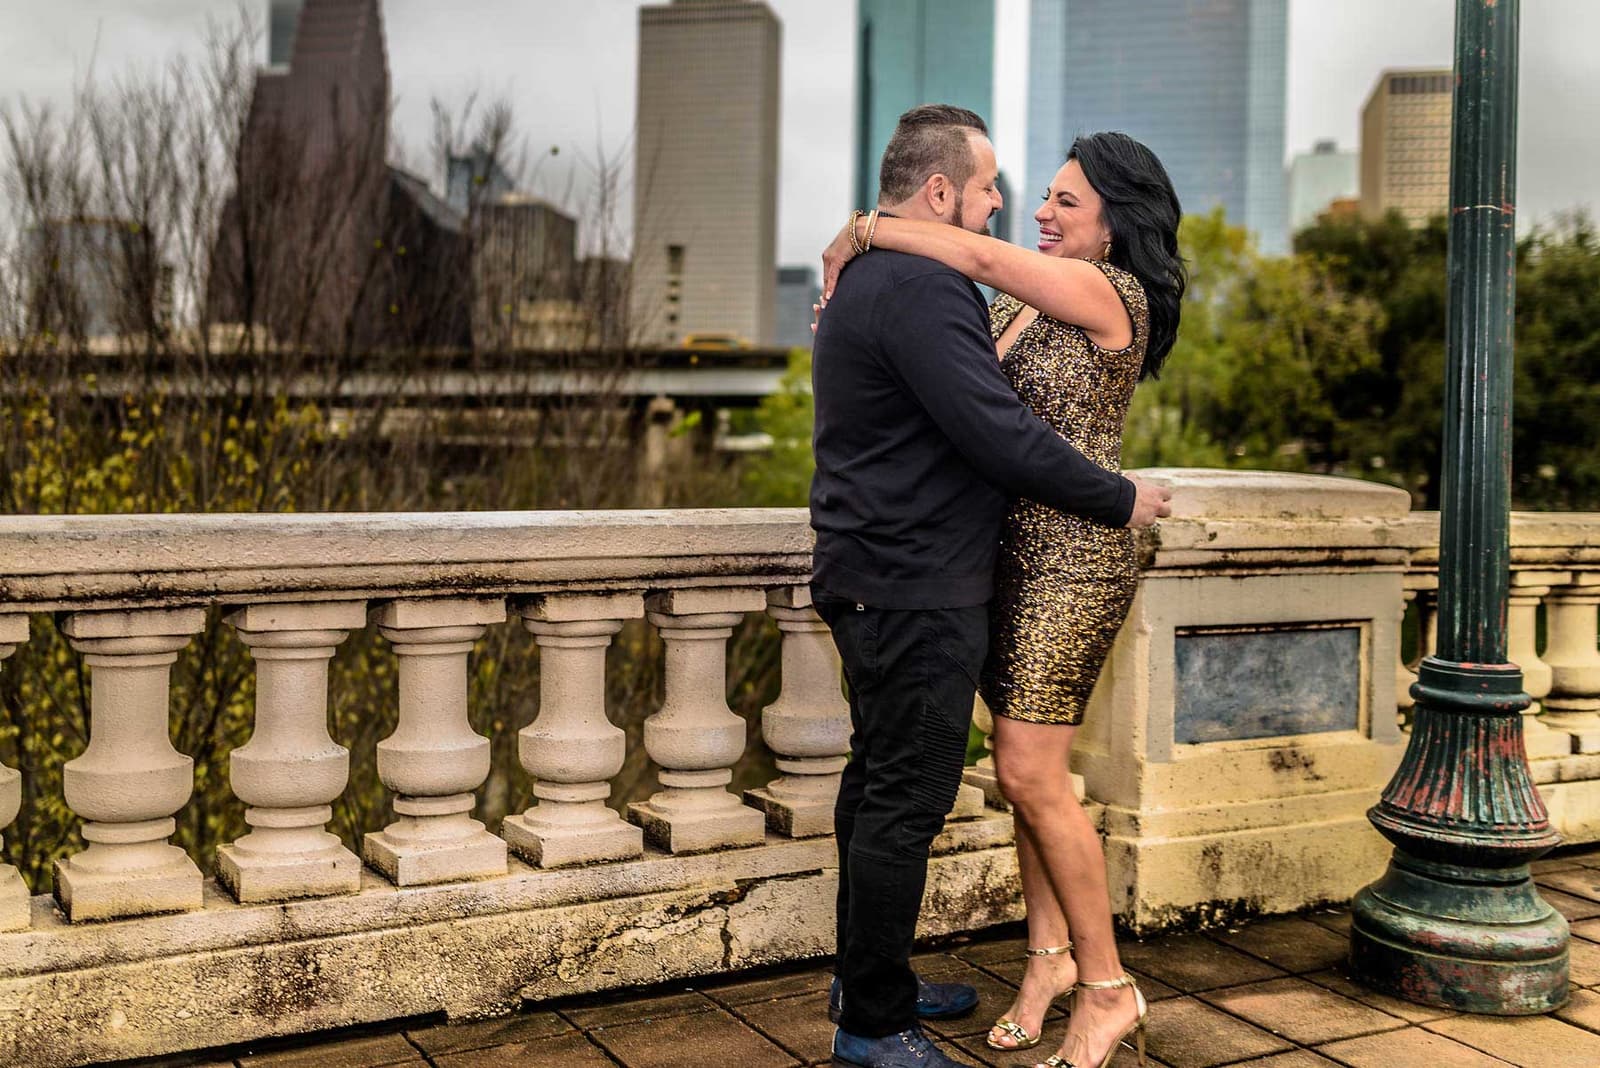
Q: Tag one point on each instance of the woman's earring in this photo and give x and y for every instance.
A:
(1105, 253)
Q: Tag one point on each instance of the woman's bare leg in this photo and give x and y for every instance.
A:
(1031, 761)
(1046, 977)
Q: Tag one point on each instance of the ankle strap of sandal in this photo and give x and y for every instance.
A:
(1049, 951)
(1109, 984)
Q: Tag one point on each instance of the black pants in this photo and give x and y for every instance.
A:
(912, 676)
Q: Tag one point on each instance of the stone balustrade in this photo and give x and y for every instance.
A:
(293, 930)
(1238, 735)
(1551, 622)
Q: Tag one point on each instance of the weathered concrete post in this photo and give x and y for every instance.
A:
(291, 771)
(808, 726)
(14, 907)
(1456, 920)
(695, 739)
(1573, 705)
(434, 760)
(1528, 589)
(571, 749)
(129, 781)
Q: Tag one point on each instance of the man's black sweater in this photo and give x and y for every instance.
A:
(921, 443)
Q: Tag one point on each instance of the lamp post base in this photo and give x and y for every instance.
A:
(1473, 939)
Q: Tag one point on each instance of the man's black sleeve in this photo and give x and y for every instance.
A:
(935, 336)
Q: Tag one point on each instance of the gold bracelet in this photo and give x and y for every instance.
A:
(872, 228)
(855, 242)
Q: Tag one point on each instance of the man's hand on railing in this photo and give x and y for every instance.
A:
(1150, 502)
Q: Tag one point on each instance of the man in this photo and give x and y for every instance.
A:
(920, 444)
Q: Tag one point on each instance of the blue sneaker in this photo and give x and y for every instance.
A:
(935, 1001)
(908, 1049)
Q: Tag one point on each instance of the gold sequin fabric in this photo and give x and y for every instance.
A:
(1063, 584)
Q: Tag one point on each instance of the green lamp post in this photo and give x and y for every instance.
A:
(1455, 920)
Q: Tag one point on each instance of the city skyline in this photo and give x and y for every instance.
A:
(1335, 55)
(1168, 73)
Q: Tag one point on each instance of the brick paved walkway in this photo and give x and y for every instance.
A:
(1273, 994)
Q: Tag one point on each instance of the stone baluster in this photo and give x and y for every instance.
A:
(1428, 621)
(571, 749)
(981, 776)
(1573, 705)
(14, 899)
(808, 726)
(434, 760)
(695, 739)
(1528, 588)
(290, 771)
(1404, 677)
(129, 781)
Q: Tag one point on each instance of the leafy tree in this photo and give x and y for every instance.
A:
(1556, 428)
(1394, 404)
(1265, 348)
(782, 477)
(1170, 422)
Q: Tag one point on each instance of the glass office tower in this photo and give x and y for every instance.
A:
(1202, 82)
(917, 52)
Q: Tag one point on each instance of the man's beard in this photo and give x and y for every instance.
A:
(960, 215)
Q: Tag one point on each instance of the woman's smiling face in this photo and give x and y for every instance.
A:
(1069, 219)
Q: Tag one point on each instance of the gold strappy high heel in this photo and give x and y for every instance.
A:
(1019, 1034)
(1136, 1029)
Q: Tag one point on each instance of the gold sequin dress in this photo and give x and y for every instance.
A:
(1063, 584)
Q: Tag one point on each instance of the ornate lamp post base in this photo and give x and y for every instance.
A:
(1456, 920)
(1473, 939)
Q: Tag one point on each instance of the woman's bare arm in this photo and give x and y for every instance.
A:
(1073, 291)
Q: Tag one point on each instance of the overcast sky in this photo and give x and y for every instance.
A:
(568, 67)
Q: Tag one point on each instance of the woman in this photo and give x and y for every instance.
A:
(1077, 325)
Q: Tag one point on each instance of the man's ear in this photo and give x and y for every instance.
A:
(940, 194)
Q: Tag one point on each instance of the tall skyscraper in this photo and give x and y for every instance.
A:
(525, 261)
(283, 21)
(1201, 82)
(797, 291)
(706, 171)
(917, 52)
(1405, 144)
(1318, 178)
(322, 242)
(1008, 218)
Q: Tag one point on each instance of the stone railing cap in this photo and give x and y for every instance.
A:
(51, 562)
(1199, 493)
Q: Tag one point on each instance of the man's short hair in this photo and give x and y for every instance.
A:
(929, 139)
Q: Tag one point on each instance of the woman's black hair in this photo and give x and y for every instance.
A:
(1141, 210)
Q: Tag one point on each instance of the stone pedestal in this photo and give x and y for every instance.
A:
(290, 771)
(129, 781)
(434, 760)
(571, 749)
(808, 726)
(981, 776)
(695, 739)
(1245, 721)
